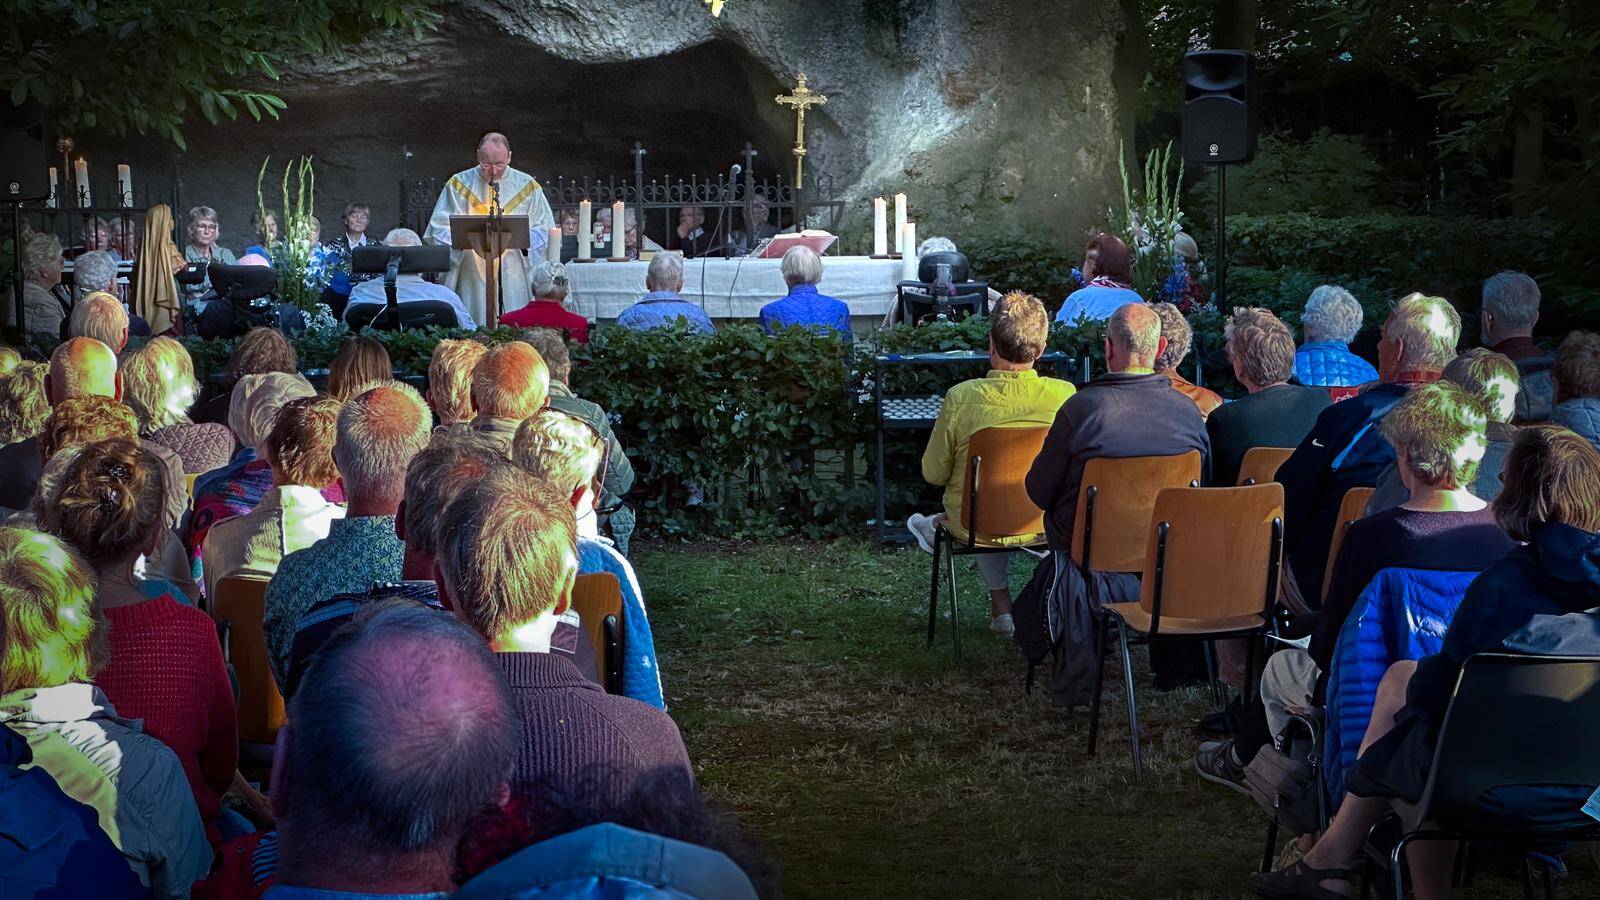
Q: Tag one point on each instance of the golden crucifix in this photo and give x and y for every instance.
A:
(802, 99)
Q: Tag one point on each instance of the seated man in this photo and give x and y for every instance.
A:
(693, 238)
(450, 379)
(1130, 411)
(1346, 449)
(1510, 310)
(546, 310)
(100, 315)
(1577, 385)
(408, 288)
(1175, 328)
(662, 305)
(378, 433)
(566, 453)
(802, 269)
(1012, 395)
(507, 563)
(384, 761)
(1273, 413)
(510, 383)
(617, 479)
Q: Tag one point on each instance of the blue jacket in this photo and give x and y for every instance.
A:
(1403, 614)
(1331, 364)
(1581, 414)
(641, 679)
(804, 306)
(659, 309)
(1095, 303)
(610, 861)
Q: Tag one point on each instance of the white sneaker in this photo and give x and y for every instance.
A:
(921, 528)
(1003, 625)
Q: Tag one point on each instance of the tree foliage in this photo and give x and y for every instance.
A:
(151, 65)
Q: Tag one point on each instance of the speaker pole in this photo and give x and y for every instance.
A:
(1222, 238)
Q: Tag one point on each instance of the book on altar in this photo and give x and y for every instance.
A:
(776, 246)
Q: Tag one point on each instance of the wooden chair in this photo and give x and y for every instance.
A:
(598, 599)
(238, 609)
(1213, 558)
(1260, 464)
(996, 514)
(1351, 508)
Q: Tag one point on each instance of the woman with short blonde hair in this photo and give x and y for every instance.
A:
(23, 406)
(450, 379)
(158, 383)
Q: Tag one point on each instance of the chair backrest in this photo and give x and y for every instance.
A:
(597, 597)
(994, 500)
(1516, 720)
(1213, 552)
(1260, 464)
(1116, 498)
(1351, 508)
(238, 609)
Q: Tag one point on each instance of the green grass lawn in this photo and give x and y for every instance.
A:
(872, 766)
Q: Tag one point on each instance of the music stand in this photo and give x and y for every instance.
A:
(490, 237)
(392, 262)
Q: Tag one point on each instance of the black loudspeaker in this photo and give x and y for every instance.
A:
(24, 173)
(1219, 120)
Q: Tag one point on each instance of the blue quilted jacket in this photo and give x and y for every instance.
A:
(1403, 614)
(1582, 415)
(1331, 364)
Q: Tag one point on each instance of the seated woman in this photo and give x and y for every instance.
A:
(1106, 282)
(1551, 500)
(260, 351)
(804, 305)
(264, 223)
(50, 649)
(158, 382)
(1331, 319)
(204, 232)
(42, 266)
(360, 361)
(1180, 337)
(293, 514)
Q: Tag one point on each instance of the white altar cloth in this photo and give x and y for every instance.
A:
(733, 288)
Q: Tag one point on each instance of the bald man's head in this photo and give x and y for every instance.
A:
(83, 367)
(494, 156)
(1133, 338)
(379, 431)
(511, 381)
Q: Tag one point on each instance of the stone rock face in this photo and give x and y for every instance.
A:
(996, 117)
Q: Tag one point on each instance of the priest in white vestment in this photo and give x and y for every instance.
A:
(469, 193)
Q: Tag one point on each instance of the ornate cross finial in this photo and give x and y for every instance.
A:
(801, 100)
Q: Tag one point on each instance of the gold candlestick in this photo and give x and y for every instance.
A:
(802, 99)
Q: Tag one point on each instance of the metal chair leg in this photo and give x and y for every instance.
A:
(1397, 866)
(933, 594)
(955, 612)
(1133, 703)
(1268, 856)
(1099, 644)
(1209, 647)
(1249, 669)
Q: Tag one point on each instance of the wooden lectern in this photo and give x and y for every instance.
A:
(490, 237)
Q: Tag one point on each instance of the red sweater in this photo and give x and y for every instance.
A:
(166, 668)
(549, 314)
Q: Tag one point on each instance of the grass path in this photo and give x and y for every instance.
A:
(873, 767)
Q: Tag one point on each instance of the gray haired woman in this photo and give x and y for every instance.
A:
(1331, 319)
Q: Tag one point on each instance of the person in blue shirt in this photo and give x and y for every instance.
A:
(1331, 319)
(802, 269)
(1107, 284)
(662, 305)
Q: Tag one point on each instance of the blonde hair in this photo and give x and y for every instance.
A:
(50, 628)
(559, 449)
(24, 408)
(1175, 328)
(158, 383)
(1488, 377)
(1429, 326)
(450, 379)
(1440, 429)
(79, 421)
(1552, 475)
(110, 503)
(301, 441)
(198, 214)
(511, 381)
(1019, 327)
(1260, 345)
(508, 550)
(100, 315)
(360, 361)
(9, 360)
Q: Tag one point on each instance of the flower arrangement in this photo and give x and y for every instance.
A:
(295, 257)
(1149, 223)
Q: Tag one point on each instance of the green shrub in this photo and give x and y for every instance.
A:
(1330, 173)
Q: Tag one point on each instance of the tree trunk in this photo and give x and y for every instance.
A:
(1234, 27)
(1527, 162)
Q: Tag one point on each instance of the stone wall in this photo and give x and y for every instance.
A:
(995, 116)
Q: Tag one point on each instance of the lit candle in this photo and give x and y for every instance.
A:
(54, 176)
(880, 228)
(899, 218)
(552, 250)
(585, 230)
(124, 185)
(81, 170)
(908, 252)
(619, 227)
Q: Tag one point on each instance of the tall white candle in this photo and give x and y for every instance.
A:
(908, 252)
(552, 249)
(81, 171)
(585, 230)
(880, 228)
(54, 181)
(899, 218)
(124, 185)
(619, 228)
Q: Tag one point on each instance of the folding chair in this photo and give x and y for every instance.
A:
(1351, 508)
(1501, 701)
(1212, 563)
(996, 514)
(598, 599)
(238, 609)
(1260, 464)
